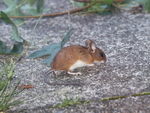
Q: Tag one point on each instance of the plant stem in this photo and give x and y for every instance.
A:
(55, 14)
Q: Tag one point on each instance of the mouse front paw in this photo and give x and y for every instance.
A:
(91, 65)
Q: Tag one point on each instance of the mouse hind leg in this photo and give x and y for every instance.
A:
(71, 73)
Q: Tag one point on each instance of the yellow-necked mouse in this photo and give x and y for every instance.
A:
(75, 56)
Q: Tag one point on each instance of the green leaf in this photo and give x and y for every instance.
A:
(31, 10)
(107, 1)
(31, 2)
(80, 4)
(46, 10)
(45, 51)
(16, 36)
(51, 50)
(10, 2)
(17, 48)
(15, 33)
(66, 38)
(40, 5)
(16, 12)
(50, 59)
(128, 5)
(13, 10)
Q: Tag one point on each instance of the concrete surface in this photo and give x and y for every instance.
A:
(124, 37)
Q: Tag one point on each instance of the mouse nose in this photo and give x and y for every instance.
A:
(104, 60)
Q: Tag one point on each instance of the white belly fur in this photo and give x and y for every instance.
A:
(79, 63)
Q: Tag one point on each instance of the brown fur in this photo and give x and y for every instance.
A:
(66, 57)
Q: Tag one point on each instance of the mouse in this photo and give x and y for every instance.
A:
(75, 56)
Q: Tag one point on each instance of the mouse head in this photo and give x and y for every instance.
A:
(97, 54)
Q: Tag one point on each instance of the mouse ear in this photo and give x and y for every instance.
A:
(93, 47)
(90, 45)
(87, 43)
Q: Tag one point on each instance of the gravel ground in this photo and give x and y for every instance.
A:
(123, 37)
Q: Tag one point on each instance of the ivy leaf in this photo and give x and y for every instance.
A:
(10, 3)
(128, 5)
(50, 59)
(80, 4)
(32, 10)
(51, 50)
(98, 8)
(47, 50)
(66, 37)
(13, 10)
(107, 1)
(15, 33)
(40, 5)
(31, 2)
(17, 48)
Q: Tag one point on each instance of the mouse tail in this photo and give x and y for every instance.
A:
(46, 80)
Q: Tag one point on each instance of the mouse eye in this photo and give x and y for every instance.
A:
(101, 54)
